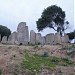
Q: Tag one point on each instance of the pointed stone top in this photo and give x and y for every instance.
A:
(32, 31)
(21, 26)
(22, 23)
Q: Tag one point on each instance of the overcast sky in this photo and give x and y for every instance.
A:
(14, 11)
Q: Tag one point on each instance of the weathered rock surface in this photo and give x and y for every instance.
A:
(38, 38)
(57, 38)
(43, 40)
(4, 40)
(65, 39)
(22, 33)
(13, 38)
(32, 37)
(50, 38)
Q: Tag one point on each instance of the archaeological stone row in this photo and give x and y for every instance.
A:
(22, 37)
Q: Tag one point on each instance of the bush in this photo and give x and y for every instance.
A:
(4, 31)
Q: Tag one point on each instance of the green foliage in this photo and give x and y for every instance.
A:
(72, 47)
(16, 70)
(35, 47)
(35, 62)
(71, 54)
(52, 17)
(4, 31)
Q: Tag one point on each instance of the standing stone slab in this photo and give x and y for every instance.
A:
(22, 33)
(57, 38)
(38, 38)
(4, 40)
(50, 38)
(32, 37)
(43, 40)
(13, 38)
(65, 39)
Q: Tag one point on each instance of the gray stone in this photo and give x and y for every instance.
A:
(57, 38)
(38, 38)
(65, 39)
(43, 40)
(13, 38)
(22, 33)
(4, 40)
(50, 38)
(32, 37)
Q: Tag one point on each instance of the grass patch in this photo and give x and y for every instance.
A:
(72, 47)
(37, 47)
(36, 62)
(45, 54)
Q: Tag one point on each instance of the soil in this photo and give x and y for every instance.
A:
(11, 55)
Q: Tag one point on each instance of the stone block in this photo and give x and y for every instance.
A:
(32, 37)
(4, 40)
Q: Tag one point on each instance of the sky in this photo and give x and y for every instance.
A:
(12, 12)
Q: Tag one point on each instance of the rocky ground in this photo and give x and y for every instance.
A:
(12, 55)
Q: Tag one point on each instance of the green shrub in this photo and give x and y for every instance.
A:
(45, 54)
(55, 60)
(36, 62)
(35, 47)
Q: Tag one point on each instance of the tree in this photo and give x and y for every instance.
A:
(71, 35)
(4, 31)
(52, 17)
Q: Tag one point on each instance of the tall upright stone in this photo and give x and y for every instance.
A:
(50, 38)
(22, 33)
(38, 38)
(4, 40)
(0, 37)
(32, 37)
(13, 38)
(43, 40)
(65, 39)
(57, 38)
